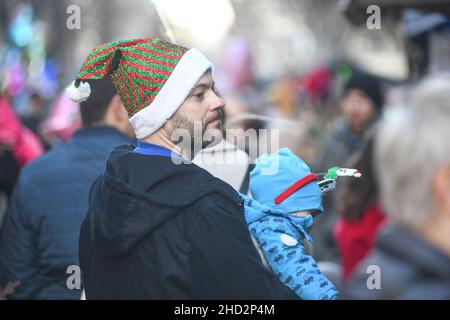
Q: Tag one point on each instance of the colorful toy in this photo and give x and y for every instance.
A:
(329, 181)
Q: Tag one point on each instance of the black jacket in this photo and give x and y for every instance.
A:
(409, 268)
(157, 230)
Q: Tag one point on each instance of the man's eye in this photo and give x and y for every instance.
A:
(199, 95)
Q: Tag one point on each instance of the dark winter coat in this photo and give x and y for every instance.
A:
(160, 230)
(39, 238)
(409, 268)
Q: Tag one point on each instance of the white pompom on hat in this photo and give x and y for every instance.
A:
(79, 91)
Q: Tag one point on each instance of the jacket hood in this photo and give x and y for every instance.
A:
(138, 193)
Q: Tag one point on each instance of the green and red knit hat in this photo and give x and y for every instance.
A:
(151, 76)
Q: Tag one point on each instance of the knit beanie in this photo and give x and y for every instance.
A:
(368, 84)
(152, 77)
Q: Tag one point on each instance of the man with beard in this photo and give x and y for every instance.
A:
(158, 226)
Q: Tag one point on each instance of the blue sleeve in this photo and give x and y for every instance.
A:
(17, 258)
(290, 262)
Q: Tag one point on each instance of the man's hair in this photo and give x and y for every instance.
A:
(94, 109)
(411, 144)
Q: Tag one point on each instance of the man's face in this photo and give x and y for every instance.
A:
(358, 109)
(202, 110)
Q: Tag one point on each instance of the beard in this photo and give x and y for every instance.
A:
(194, 135)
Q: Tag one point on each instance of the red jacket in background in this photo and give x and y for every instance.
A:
(355, 239)
(24, 144)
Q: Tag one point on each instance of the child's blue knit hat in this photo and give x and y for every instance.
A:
(267, 185)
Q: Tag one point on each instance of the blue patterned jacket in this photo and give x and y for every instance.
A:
(280, 237)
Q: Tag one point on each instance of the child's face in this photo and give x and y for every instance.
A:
(313, 213)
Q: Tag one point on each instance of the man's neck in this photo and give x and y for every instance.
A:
(160, 139)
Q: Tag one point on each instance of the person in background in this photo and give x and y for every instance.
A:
(39, 238)
(9, 171)
(361, 105)
(23, 143)
(36, 113)
(360, 214)
(411, 258)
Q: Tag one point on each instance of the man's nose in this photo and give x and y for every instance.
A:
(217, 103)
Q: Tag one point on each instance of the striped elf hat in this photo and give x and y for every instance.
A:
(151, 76)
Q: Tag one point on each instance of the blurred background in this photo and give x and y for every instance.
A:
(284, 64)
(283, 59)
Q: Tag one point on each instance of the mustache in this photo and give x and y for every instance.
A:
(220, 116)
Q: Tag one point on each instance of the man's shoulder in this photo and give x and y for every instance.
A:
(64, 159)
(219, 210)
(216, 199)
(219, 191)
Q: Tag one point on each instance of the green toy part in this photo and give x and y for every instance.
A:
(332, 173)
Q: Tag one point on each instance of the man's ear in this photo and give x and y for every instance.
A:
(441, 187)
(118, 110)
